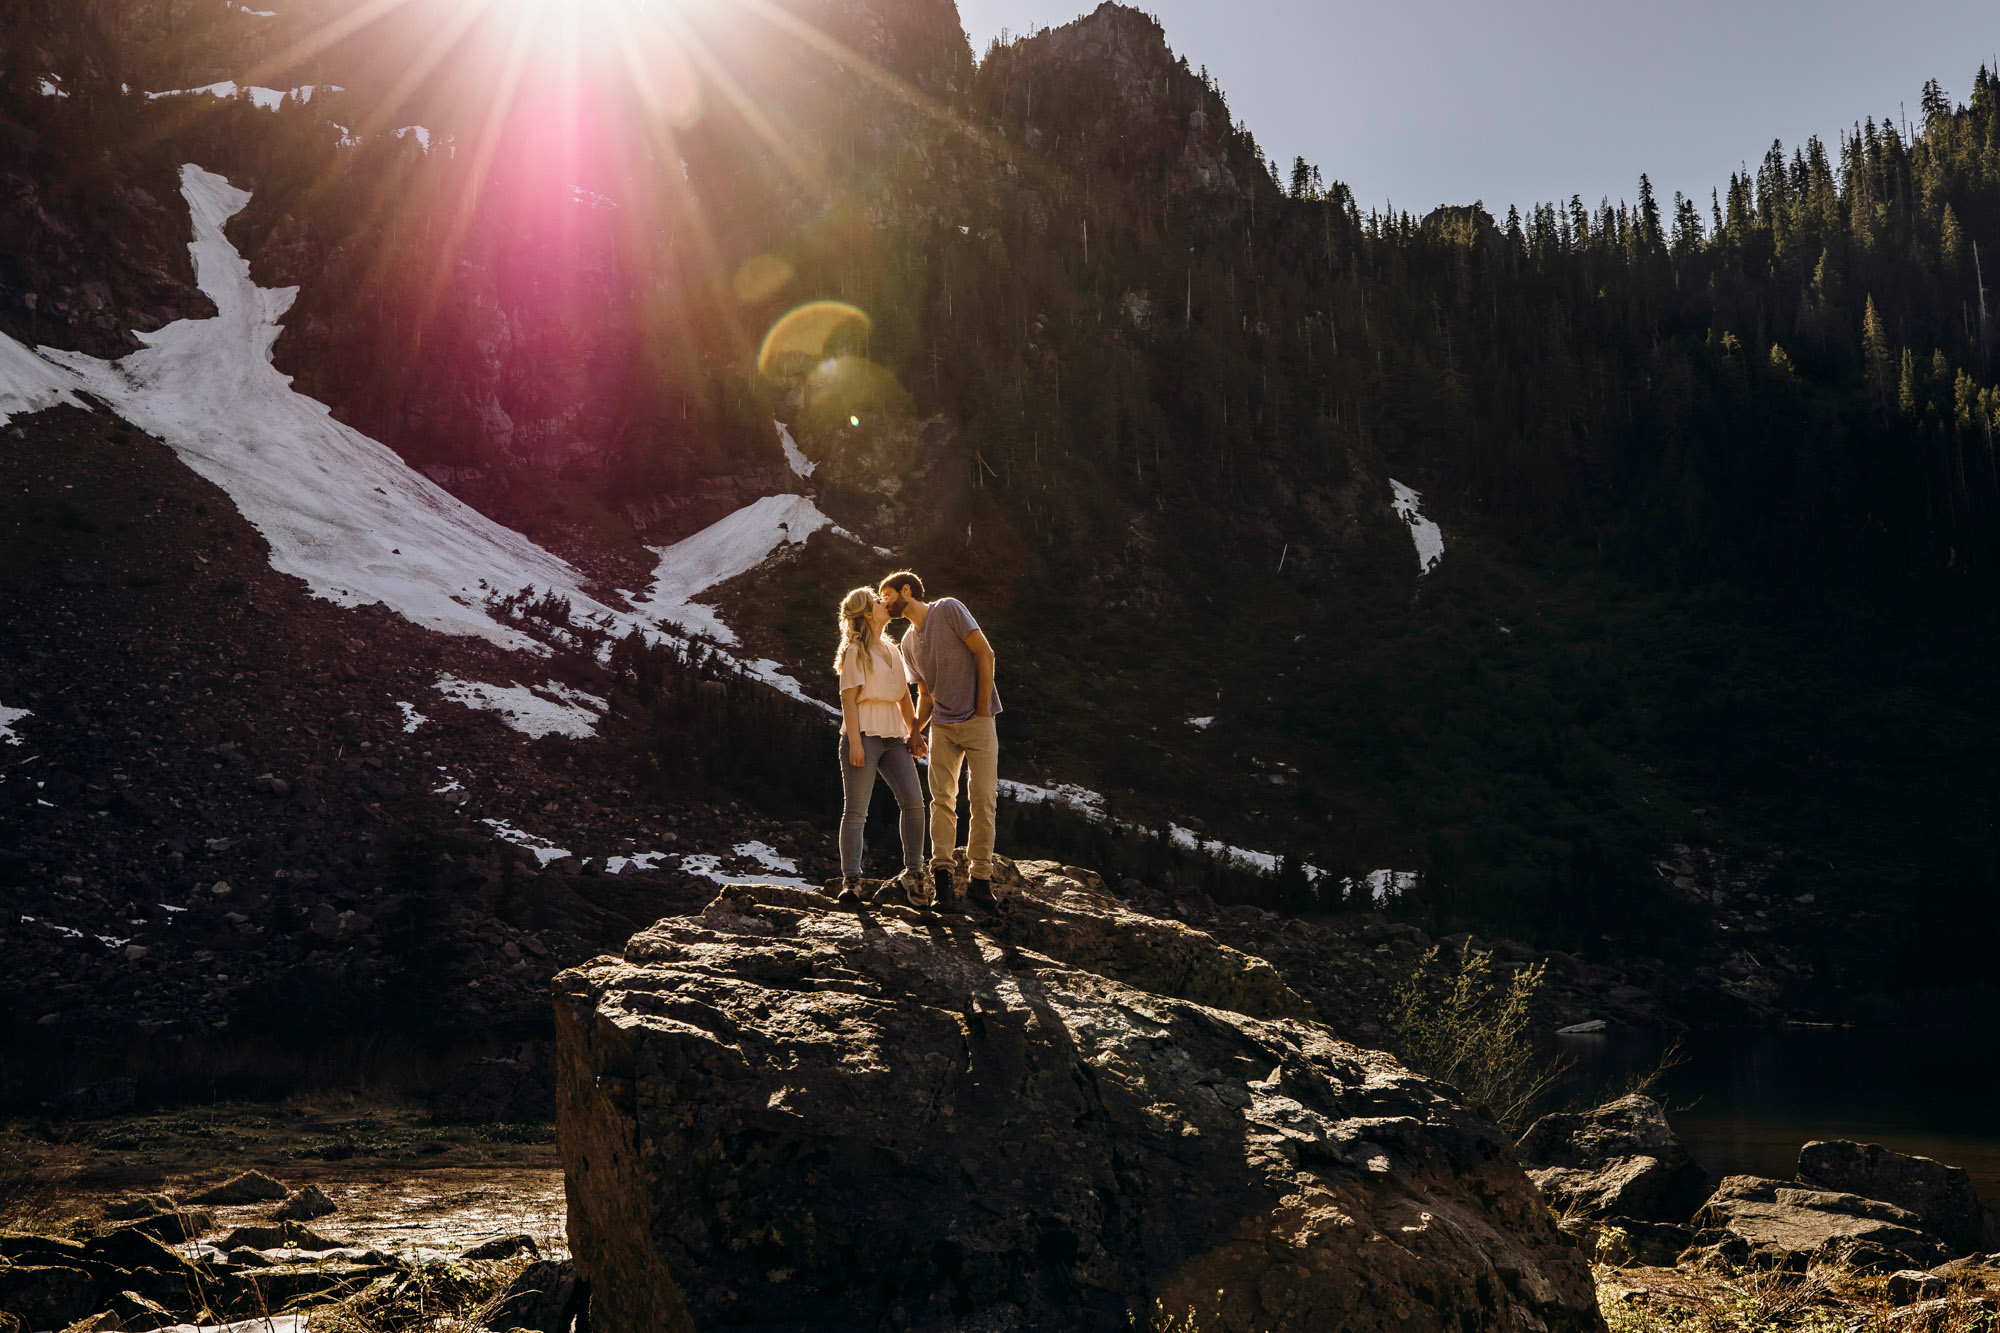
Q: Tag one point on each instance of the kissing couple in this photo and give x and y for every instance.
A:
(946, 656)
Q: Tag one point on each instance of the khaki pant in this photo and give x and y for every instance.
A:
(973, 743)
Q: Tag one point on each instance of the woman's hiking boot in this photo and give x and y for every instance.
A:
(849, 894)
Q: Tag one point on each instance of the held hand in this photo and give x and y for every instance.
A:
(856, 755)
(919, 747)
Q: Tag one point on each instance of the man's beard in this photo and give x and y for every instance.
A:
(897, 606)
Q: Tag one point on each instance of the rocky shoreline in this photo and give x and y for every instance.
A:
(1066, 1113)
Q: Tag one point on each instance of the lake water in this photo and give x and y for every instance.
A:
(1745, 1101)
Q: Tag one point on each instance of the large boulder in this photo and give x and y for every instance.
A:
(1941, 1195)
(1620, 1160)
(1752, 1221)
(783, 1116)
(44, 1296)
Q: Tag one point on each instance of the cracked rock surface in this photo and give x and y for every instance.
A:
(781, 1115)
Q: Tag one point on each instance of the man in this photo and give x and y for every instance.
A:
(946, 656)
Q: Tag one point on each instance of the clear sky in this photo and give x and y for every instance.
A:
(1445, 101)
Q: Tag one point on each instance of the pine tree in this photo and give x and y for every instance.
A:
(1951, 241)
(1875, 344)
(1649, 215)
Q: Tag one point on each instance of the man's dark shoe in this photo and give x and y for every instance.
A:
(980, 891)
(945, 898)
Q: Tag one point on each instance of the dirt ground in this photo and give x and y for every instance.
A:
(403, 1184)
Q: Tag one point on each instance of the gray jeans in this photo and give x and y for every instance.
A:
(892, 759)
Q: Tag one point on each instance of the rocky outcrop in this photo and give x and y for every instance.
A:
(780, 1115)
(1751, 1221)
(1940, 1195)
(1620, 1160)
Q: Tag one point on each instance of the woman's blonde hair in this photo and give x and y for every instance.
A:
(853, 624)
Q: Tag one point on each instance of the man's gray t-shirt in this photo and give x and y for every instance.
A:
(936, 656)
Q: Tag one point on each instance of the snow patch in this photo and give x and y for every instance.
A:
(614, 865)
(412, 719)
(265, 99)
(784, 869)
(8, 717)
(28, 383)
(341, 512)
(52, 87)
(422, 132)
(801, 465)
(1382, 885)
(1062, 793)
(545, 851)
(1201, 723)
(1429, 538)
(549, 709)
(720, 552)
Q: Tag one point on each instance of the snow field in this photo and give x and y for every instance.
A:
(732, 546)
(341, 512)
(8, 717)
(1427, 536)
(549, 709)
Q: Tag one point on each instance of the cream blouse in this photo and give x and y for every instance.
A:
(883, 689)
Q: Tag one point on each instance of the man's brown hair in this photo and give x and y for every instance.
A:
(905, 582)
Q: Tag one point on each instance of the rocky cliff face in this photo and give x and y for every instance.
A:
(778, 1115)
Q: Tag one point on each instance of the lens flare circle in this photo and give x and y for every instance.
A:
(808, 335)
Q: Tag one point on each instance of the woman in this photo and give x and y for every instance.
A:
(877, 735)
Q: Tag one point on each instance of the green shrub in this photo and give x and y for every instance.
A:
(1463, 1026)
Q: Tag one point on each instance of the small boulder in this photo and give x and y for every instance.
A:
(133, 1207)
(1909, 1285)
(298, 1236)
(305, 1205)
(1774, 1224)
(249, 1187)
(22, 1248)
(253, 1237)
(1627, 1241)
(137, 1314)
(132, 1247)
(1620, 1160)
(545, 1297)
(1946, 1312)
(177, 1226)
(504, 1247)
(1941, 1195)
